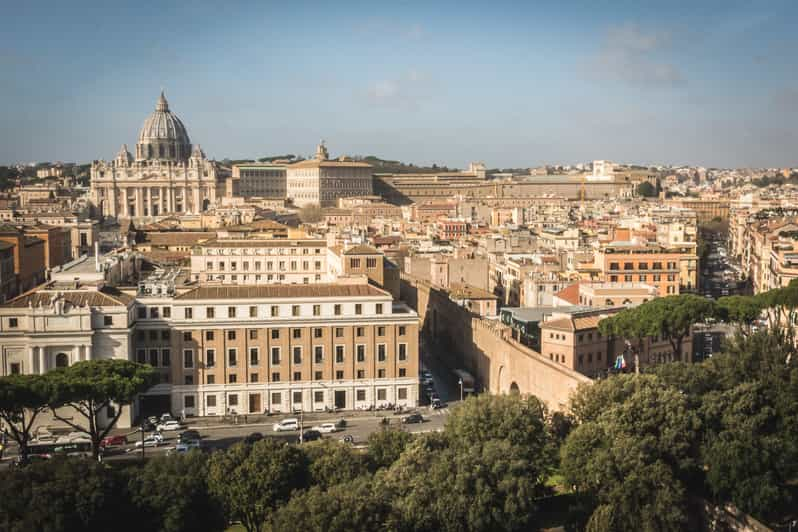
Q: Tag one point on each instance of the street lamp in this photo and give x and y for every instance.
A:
(460, 382)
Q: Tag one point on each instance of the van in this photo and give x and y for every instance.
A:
(290, 423)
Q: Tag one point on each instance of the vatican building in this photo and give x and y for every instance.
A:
(167, 175)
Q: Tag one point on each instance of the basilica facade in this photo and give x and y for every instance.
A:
(167, 175)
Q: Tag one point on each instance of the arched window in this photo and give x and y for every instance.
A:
(61, 360)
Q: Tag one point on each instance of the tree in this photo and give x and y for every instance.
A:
(742, 310)
(360, 504)
(637, 458)
(589, 401)
(92, 388)
(646, 190)
(171, 494)
(385, 446)
(22, 399)
(250, 481)
(311, 214)
(62, 495)
(332, 462)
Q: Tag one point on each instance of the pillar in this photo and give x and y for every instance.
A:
(149, 201)
(139, 210)
(197, 202)
(42, 361)
(125, 208)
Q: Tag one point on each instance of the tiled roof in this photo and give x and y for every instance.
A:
(579, 323)
(265, 243)
(314, 163)
(361, 249)
(107, 297)
(569, 294)
(284, 291)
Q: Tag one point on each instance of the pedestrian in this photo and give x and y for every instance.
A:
(246, 419)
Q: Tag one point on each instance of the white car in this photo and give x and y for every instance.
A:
(290, 423)
(169, 425)
(153, 440)
(326, 428)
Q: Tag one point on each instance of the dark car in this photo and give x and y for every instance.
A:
(147, 425)
(311, 435)
(188, 435)
(413, 418)
(254, 437)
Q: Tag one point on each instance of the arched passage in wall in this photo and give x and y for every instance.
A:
(61, 360)
(514, 390)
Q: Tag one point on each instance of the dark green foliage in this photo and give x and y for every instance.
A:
(646, 190)
(171, 495)
(22, 399)
(385, 446)
(332, 462)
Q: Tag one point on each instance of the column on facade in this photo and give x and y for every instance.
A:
(164, 200)
(125, 208)
(149, 201)
(42, 361)
(139, 210)
(197, 202)
(32, 360)
(110, 200)
(172, 199)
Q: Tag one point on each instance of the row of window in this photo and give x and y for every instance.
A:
(296, 334)
(232, 378)
(580, 360)
(656, 277)
(275, 352)
(642, 266)
(296, 397)
(281, 266)
(253, 311)
(266, 251)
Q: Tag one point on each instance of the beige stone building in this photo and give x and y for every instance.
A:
(167, 175)
(322, 181)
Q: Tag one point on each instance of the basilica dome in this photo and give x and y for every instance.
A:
(163, 136)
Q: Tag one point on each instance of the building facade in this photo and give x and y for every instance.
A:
(262, 180)
(167, 174)
(321, 181)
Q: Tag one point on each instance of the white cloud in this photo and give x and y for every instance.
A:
(406, 91)
(634, 56)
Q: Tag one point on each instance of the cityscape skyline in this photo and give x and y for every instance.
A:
(704, 85)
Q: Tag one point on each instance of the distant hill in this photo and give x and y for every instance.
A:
(398, 167)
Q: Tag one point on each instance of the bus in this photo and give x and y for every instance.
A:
(49, 450)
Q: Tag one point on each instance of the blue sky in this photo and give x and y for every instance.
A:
(510, 83)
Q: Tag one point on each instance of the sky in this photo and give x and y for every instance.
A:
(513, 84)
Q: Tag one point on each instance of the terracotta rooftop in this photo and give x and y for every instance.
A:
(283, 291)
(362, 249)
(264, 243)
(569, 294)
(315, 163)
(579, 323)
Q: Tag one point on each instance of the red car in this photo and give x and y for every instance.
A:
(114, 440)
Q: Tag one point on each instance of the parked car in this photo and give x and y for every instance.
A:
(254, 437)
(185, 446)
(114, 440)
(290, 423)
(166, 417)
(311, 435)
(170, 425)
(188, 435)
(325, 428)
(153, 440)
(148, 425)
(413, 418)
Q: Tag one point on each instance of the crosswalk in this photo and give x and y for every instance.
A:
(439, 412)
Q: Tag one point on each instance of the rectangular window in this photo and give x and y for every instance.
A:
(210, 312)
(167, 312)
(275, 310)
(253, 312)
(378, 308)
(337, 309)
(232, 399)
(166, 357)
(318, 397)
(371, 263)
(360, 331)
(253, 334)
(381, 353)
(209, 336)
(253, 356)
(339, 354)
(339, 375)
(210, 358)
(360, 395)
(402, 351)
(253, 377)
(402, 372)
(381, 394)
(186, 336)
(295, 310)
(402, 330)
(297, 376)
(153, 336)
(358, 308)
(276, 376)
(318, 332)
(210, 400)
(317, 375)
(232, 357)
(188, 313)
(232, 378)
(380, 373)
(188, 401)
(297, 355)
(296, 333)
(361, 374)
(297, 397)
(361, 352)
(401, 393)
(381, 330)
(188, 359)
(275, 355)
(317, 310)
(107, 321)
(188, 380)
(318, 354)
(231, 335)
(339, 332)
(142, 312)
(275, 334)
(211, 379)
(154, 358)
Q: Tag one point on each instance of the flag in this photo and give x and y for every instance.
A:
(620, 362)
